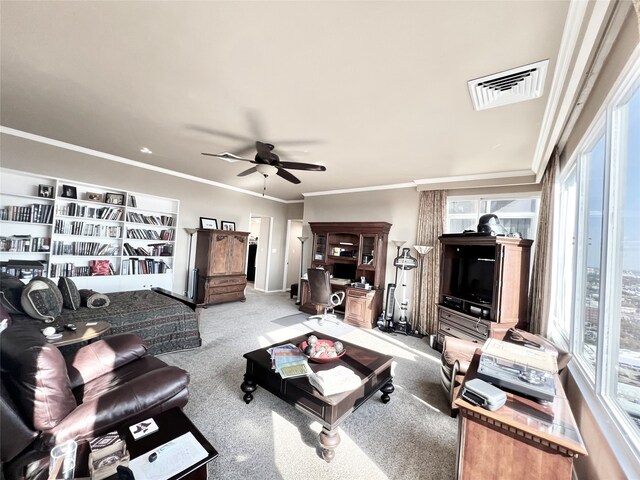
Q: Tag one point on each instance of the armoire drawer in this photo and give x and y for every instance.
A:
(226, 280)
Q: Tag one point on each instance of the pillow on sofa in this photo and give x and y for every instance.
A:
(70, 293)
(10, 293)
(91, 299)
(41, 299)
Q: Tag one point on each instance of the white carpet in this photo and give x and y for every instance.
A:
(411, 437)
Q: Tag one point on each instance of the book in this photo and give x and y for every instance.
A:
(289, 361)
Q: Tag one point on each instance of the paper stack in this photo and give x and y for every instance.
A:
(337, 380)
(107, 453)
(289, 361)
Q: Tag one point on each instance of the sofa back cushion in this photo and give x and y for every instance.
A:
(35, 375)
(11, 292)
(42, 300)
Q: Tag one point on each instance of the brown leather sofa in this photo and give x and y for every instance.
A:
(457, 355)
(47, 398)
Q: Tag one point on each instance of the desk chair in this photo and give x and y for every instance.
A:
(322, 297)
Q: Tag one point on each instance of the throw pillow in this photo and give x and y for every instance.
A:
(41, 299)
(70, 293)
(91, 299)
(10, 293)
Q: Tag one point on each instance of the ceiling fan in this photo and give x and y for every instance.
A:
(267, 163)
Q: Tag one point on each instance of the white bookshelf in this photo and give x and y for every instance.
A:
(135, 232)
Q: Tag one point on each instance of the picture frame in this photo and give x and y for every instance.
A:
(93, 196)
(114, 198)
(69, 191)
(208, 223)
(228, 225)
(45, 191)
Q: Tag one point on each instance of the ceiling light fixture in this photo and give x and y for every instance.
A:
(266, 170)
(146, 150)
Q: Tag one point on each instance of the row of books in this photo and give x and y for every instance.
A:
(165, 220)
(141, 234)
(87, 229)
(24, 243)
(69, 270)
(289, 361)
(151, 250)
(36, 213)
(77, 210)
(144, 266)
(84, 248)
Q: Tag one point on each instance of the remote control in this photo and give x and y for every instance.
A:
(70, 326)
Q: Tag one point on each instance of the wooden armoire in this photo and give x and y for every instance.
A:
(221, 262)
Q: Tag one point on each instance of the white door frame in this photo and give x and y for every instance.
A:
(267, 250)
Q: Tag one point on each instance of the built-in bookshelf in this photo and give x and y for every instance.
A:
(106, 238)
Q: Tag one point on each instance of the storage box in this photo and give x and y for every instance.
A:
(478, 392)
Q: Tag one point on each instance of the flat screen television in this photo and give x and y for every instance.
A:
(345, 271)
(472, 279)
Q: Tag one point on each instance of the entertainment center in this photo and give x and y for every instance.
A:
(484, 282)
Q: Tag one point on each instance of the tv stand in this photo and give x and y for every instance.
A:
(484, 284)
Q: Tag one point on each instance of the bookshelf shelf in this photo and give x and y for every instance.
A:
(84, 224)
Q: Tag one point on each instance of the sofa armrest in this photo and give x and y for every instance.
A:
(104, 356)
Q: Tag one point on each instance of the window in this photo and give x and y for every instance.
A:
(596, 304)
(517, 215)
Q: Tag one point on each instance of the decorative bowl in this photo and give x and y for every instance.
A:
(328, 343)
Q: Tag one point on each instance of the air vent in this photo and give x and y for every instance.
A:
(512, 86)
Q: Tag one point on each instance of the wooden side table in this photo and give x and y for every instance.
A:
(523, 439)
(85, 331)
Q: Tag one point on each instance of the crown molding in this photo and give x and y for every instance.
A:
(134, 163)
(565, 87)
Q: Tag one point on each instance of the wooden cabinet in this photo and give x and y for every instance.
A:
(352, 252)
(484, 283)
(221, 263)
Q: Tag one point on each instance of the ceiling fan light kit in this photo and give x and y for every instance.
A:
(268, 163)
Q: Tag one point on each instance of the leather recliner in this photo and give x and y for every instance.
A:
(47, 399)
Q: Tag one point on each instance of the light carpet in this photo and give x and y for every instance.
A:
(411, 437)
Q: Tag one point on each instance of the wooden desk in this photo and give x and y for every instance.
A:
(519, 440)
(361, 307)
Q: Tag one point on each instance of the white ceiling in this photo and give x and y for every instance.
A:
(375, 91)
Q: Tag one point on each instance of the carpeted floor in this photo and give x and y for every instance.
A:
(411, 437)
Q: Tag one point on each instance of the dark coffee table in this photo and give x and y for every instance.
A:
(372, 367)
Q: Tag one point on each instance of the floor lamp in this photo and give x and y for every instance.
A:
(299, 296)
(191, 295)
(422, 251)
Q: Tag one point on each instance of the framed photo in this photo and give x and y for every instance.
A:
(114, 198)
(94, 197)
(69, 191)
(45, 191)
(228, 225)
(208, 223)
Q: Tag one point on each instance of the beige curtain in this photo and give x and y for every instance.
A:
(636, 4)
(431, 217)
(540, 275)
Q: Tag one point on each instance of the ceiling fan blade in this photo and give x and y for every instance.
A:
(303, 166)
(287, 176)
(248, 172)
(220, 133)
(227, 156)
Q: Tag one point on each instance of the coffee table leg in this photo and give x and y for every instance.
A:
(248, 386)
(386, 390)
(329, 441)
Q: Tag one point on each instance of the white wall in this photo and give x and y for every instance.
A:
(196, 199)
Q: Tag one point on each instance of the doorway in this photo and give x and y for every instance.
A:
(258, 252)
(293, 257)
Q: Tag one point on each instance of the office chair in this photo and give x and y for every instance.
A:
(322, 297)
